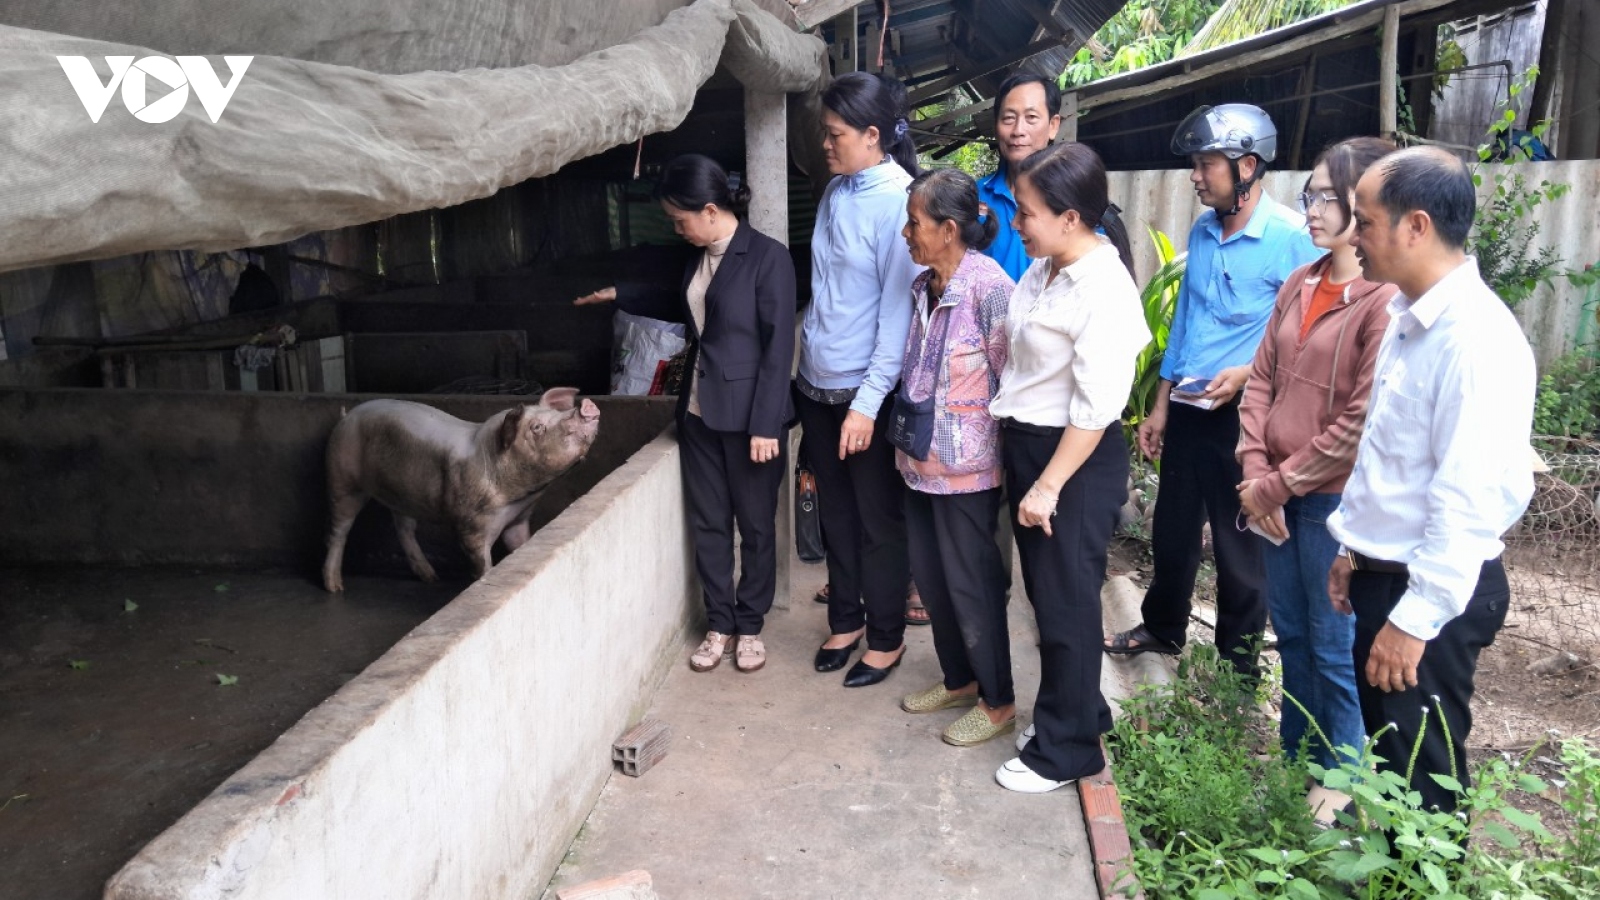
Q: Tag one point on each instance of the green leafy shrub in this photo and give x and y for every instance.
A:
(1568, 402)
(1503, 233)
(1201, 783)
(1217, 812)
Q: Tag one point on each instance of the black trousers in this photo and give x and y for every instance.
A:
(862, 502)
(1445, 674)
(1063, 574)
(956, 565)
(725, 489)
(1199, 483)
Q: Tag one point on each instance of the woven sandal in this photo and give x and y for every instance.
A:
(936, 698)
(975, 728)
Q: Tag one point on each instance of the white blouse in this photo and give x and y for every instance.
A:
(1074, 344)
(696, 295)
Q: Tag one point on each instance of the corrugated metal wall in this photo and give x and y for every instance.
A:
(1555, 318)
(1471, 101)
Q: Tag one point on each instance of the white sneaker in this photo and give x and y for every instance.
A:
(1024, 738)
(1016, 776)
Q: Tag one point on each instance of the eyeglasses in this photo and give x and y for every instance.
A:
(1310, 202)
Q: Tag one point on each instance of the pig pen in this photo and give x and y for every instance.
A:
(460, 763)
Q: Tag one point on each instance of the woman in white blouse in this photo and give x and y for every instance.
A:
(1076, 329)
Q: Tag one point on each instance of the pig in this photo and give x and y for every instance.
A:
(425, 464)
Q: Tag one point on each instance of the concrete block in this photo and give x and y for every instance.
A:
(1119, 603)
(635, 885)
(644, 745)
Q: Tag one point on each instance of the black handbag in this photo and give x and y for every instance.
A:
(807, 517)
(911, 421)
(911, 425)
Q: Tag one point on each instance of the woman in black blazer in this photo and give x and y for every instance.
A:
(738, 300)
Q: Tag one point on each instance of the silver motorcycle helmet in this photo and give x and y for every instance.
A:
(1232, 129)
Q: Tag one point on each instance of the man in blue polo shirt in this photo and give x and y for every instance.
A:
(1241, 250)
(1026, 118)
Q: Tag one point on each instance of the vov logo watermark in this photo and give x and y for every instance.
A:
(133, 77)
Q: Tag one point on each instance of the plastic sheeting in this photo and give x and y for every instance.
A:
(306, 146)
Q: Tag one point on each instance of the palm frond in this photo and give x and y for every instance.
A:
(1237, 20)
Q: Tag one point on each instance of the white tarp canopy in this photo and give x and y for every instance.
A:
(307, 146)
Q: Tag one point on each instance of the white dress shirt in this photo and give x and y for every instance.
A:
(1442, 471)
(1074, 343)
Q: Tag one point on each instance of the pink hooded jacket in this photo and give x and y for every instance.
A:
(1305, 405)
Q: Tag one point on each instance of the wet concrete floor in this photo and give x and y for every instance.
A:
(114, 720)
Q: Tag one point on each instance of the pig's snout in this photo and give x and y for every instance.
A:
(588, 411)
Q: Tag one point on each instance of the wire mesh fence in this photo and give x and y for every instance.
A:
(1553, 554)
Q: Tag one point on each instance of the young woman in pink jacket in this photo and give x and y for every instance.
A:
(1300, 422)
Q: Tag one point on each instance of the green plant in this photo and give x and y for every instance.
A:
(1448, 58)
(1200, 784)
(1502, 237)
(1142, 33)
(1240, 19)
(976, 158)
(1391, 848)
(1216, 811)
(1568, 402)
(1159, 297)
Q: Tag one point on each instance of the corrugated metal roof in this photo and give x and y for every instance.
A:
(1318, 79)
(941, 46)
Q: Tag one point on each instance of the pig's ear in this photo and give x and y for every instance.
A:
(509, 427)
(560, 398)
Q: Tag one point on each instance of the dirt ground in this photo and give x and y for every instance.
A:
(114, 718)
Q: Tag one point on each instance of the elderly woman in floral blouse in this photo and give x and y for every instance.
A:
(949, 453)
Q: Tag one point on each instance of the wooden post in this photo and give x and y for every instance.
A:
(1069, 117)
(1388, 74)
(1308, 87)
(846, 57)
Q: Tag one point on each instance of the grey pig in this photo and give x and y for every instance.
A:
(425, 464)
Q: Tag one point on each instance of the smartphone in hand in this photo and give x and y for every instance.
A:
(1191, 390)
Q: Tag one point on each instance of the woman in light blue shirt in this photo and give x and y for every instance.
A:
(851, 347)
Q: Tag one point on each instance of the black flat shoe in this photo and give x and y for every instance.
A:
(832, 659)
(863, 675)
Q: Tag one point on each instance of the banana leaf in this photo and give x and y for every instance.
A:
(1159, 297)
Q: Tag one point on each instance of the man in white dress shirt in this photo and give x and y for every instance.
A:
(1441, 474)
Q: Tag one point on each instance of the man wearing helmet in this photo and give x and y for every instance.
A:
(1241, 249)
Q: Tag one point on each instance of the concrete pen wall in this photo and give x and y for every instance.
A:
(463, 762)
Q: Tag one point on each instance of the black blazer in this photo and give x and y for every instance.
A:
(744, 353)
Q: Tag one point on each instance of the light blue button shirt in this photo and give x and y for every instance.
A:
(1229, 289)
(1007, 247)
(854, 331)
